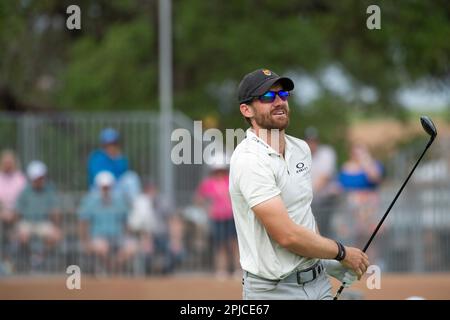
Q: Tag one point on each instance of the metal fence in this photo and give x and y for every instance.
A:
(63, 141)
(416, 238)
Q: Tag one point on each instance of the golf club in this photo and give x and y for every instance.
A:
(429, 127)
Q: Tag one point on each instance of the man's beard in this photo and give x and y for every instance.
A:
(268, 121)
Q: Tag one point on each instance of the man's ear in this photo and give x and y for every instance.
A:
(246, 110)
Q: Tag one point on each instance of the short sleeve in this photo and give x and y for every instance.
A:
(255, 179)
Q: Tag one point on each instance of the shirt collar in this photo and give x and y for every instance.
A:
(287, 148)
(250, 134)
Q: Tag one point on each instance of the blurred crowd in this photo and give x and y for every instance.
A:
(119, 220)
(123, 222)
(346, 200)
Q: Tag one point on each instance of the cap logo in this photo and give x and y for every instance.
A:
(267, 72)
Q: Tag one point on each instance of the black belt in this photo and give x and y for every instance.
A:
(297, 276)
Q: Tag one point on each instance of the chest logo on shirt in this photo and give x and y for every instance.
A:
(300, 167)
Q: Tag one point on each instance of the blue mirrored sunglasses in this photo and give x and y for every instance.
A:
(270, 96)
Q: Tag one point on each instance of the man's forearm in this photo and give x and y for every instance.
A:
(296, 238)
(306, 243)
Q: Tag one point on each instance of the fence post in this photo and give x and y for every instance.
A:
(165, 92)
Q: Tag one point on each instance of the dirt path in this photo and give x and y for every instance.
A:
(393, 286)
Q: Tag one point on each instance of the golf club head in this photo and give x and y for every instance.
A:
(428, 126)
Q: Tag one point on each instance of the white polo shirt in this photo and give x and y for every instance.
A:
(257, 174)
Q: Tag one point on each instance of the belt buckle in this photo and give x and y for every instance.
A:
(314, 273)
(299, 277)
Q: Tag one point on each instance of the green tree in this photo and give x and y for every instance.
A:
(111, 63)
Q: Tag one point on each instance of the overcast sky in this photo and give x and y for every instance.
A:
(419, 97)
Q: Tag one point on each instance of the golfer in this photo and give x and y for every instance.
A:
(282, 254)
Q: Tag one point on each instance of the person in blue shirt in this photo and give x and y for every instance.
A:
(103, 214)
(39, 219)
(107, 158)
(359, 178)
(361, 172)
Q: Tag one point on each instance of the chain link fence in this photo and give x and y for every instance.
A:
(416, 237)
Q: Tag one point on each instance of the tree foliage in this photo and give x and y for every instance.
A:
(112, 62)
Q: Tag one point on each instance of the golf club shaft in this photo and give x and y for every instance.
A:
(388, 210)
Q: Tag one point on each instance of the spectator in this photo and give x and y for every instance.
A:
(12, 182)
(159, 229)
(196, 227)
(214, 196)
(39, 214)
(323, 173)
(360, 177)
(361, 171)
(103, 214)
(129, 185)
(108, 158)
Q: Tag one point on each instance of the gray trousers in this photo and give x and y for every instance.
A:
(260, 289)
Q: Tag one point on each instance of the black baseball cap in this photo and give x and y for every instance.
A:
(257, 83)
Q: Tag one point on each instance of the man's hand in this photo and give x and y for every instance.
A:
(339, 271)
(356, 260)
(349, 278)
